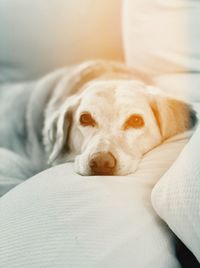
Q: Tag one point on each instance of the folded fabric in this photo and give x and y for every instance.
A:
(60, 219)
(176, 197)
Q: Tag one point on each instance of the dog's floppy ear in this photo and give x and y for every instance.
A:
(57, 128)
(173, 116)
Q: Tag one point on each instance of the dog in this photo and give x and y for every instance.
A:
(98, 114)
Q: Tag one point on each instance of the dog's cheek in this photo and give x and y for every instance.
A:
(81, 165)
(128, 167)
(151, 138)
(75, 140)
(77, 166)
(127, 162)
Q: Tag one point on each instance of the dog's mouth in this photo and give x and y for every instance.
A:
(102, 173)
(103, 164)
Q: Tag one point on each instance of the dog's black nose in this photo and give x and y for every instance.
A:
(102, 163)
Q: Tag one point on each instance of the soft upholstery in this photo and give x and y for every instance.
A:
(60, 219)
(38, 36)
(161, 40)
(166, 43)
(161, 37)
(176, 197)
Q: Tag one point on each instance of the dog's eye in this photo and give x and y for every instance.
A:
(134, 121)
(87, 120)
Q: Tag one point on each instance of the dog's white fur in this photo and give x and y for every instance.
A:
(111, 94)
(40, 120)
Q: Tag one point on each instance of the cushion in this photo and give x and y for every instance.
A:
(176, 197)
(162, 41)
(38, 36)
(182, 86)
(60, 219)
(161, 37)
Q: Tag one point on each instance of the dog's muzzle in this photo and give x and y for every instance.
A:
(102, 163)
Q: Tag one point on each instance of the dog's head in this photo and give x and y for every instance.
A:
(109, 126)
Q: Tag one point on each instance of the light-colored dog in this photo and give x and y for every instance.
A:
(110, 120)
(100, 116)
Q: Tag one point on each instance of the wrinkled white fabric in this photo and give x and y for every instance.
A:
(61, 219)
(176, 197)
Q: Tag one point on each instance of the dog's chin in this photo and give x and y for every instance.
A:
(87, 172)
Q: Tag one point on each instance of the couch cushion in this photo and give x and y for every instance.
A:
(61, 219)
(176, 197)
(161, 36)
(162, 40)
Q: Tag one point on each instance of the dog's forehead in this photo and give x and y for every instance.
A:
(114, 92)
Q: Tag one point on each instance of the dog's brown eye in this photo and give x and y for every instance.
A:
(87, 120)
(134, 121)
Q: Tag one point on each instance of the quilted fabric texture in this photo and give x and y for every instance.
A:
(60, 219)
(176, 197)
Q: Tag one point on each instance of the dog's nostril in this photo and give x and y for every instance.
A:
(102, 163)
(93, 163)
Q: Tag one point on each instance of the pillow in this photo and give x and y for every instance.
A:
(176, 197)
(161, 37)
(38, 36)
(162, 41)
(182, 86)
(60, 219)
